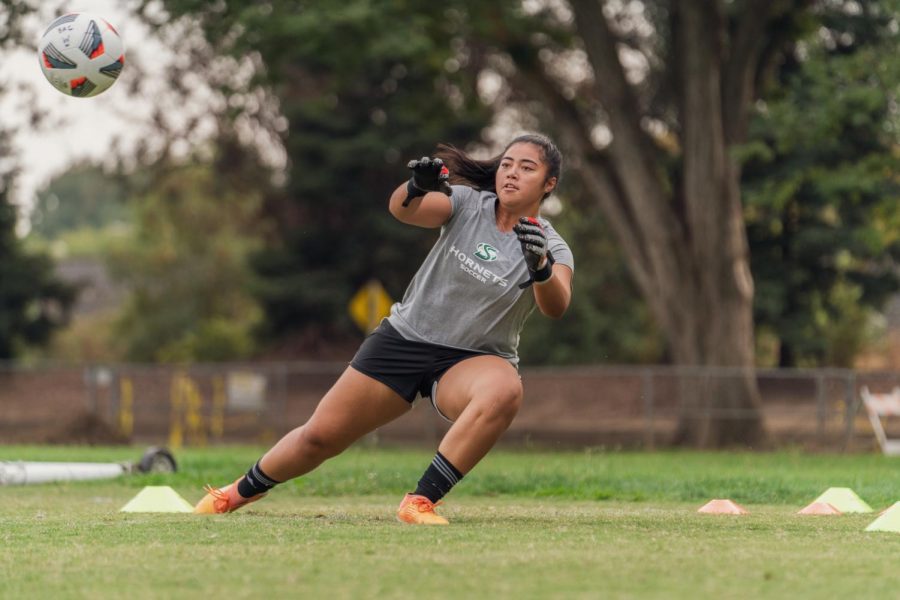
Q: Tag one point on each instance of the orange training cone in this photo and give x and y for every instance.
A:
(722, 507)
(820, 508)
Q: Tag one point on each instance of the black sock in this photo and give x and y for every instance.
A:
(255, 482)
(438, 479)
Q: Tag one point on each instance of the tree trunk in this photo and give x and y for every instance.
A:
(727, 411)
(684, 237)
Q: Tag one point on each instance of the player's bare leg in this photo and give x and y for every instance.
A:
(482, 396)
(354, 406)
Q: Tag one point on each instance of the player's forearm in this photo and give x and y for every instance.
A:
(396, 202)
(553, 296)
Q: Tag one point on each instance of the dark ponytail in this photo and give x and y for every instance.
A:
(465, 170)
(482, 174)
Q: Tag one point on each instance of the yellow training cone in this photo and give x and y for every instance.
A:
(894, 505)
(157, 498)
(845, 500)
(888, 521)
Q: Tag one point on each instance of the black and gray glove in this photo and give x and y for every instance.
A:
(534, 247)
(429, 175)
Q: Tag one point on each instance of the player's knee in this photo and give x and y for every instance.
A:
(506, 400)
(316, 443)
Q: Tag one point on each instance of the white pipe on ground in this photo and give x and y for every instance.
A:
(22, 473)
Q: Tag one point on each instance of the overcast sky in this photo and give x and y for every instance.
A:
(76, 127)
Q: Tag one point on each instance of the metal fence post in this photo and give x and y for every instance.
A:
(114, 396)
(820, 407)
(283, 397)
(90, 381)
(647, 393)
(852, 405)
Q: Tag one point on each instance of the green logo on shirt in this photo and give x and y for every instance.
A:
(486, 252)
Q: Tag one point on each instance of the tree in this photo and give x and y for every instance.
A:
(84, 196)
(186, 266)
(652, 100)
(606, 321)
(354, 114)
(654, 123)
(33, 303)
(364, 86)
(821, 191)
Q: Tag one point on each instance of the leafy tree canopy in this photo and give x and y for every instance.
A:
(84, 196)
(186, 268)
(821, 189)
(364, 86)
(33, 302)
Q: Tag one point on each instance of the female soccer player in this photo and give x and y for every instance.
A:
(454, 335)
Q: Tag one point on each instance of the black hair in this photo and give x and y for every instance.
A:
(481, 174)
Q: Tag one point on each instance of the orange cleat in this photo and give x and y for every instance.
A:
(419, 510)
(222, 500)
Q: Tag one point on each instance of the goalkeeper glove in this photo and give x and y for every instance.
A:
(534, 247)
(429, 175)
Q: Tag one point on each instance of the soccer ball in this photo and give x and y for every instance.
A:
(81, 55)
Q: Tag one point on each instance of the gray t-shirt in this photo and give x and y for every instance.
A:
(466, 294)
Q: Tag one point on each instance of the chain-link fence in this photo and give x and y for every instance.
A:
(626, 407)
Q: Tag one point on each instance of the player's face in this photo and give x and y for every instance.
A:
(522, 176)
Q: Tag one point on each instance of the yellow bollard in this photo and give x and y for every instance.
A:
(126, 406)
(176, 402)
(217, 418)
(194, 416)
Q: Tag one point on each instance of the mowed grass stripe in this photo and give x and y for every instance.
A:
(350, 547)
(765, 478)
(524, 525)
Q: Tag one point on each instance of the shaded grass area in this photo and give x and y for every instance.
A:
(523, 525)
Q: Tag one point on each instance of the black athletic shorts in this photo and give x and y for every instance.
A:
(405, 366)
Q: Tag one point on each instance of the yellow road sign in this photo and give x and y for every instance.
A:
(370, 305)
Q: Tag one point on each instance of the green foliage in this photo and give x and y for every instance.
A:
(365, 86)
(356, 112)
(606, 321)
(82, 242)
(33, 302)
(85, 196)
(87, 338)
(82, 213)
(821, 194)
(186, 269)
(213, 339)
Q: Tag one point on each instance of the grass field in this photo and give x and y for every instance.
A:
(523, 525)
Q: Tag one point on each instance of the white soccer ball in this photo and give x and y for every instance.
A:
(81, 55)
